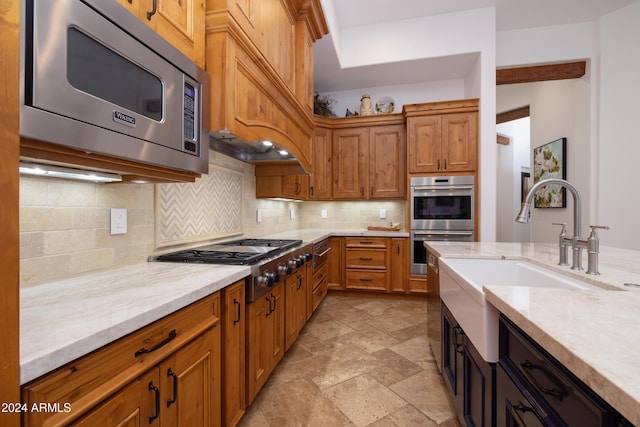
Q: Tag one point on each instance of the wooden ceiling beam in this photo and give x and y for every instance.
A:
(537, 73)
(516, 114)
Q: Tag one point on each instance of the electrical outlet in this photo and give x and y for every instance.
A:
(383, 213)
(258, 215)
(118, 221)
(323, 214)
(292, 213)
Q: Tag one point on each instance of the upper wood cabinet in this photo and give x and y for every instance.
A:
(442, 137)
(320, 183)
(259, 54)
(359, 158)
(181, 23)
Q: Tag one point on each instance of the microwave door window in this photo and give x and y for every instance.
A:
(101, 72)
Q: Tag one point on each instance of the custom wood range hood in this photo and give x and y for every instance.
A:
(259, 55)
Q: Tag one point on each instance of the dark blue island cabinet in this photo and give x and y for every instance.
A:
(470, 379)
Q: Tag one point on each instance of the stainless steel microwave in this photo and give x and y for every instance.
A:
(97, 79)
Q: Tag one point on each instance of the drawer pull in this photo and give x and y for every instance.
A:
(528, 368)
(366, 259)
(519, 408)
(458, 339)
(237, 304)
(366, 279)
(270, 306)
(157, 400)
(172, 374)
(162, 343)
(367, 242)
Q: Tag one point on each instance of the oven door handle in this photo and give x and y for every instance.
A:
(431, 189)
(323, 253)
(443, 233)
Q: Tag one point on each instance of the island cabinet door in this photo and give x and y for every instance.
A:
(452, 358)
(233, 371)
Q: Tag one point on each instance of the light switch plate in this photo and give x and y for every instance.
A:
(383, 213)
(118, 220)
(292, 213)
(323, 214)
(259, 215)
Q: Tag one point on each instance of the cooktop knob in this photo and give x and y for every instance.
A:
(284, 269)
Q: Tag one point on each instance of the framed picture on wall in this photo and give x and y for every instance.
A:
(550, 161)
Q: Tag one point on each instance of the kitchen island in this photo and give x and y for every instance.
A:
(593, 333)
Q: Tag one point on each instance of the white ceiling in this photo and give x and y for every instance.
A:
(510, 15)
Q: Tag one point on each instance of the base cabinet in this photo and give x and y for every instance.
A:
(265, 339)
(296, 305)
(167, 373)
(470, 380)
(233, 356)
(533, 388)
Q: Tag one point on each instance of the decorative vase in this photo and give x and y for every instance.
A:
(365, 105)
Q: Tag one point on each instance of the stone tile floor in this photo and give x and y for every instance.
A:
(359, 361)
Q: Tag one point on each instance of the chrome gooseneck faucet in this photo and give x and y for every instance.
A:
(576, 241)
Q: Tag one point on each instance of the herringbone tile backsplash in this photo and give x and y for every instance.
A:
(209, 208)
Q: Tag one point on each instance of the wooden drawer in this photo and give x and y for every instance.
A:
(366, 258)
(319, 292)
(92, 378)
(367, 280)
(319, 276)
(367, 242)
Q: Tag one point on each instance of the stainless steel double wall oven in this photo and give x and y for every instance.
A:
(442, 209)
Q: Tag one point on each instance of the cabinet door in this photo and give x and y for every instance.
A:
(398, 265)
(459, 142)
(452, 358)
(191, 383)
(350, 163)
(387, 162)
(295, 186)
(292, 290)
(181, 23)
(135, 405)
(478, 387)
(320, 181)
(233, 371)
(334, 263)
(425, 135)
(275, 328)
(258, 313)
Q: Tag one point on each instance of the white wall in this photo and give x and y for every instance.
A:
(618, 156)
(512, 159)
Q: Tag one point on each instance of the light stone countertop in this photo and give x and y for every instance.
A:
(66, 319)
(592, 333)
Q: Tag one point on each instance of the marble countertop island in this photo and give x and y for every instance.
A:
(593, 333)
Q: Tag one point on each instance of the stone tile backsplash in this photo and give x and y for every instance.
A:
(65, 225)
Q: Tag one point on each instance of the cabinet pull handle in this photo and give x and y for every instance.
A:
(365, 259)
(438, 164)
(311, 190)
(153, 11)
(513, 410)
(274, 303)
(270, 308)
(157, 400)
(162, 343)
(528, 368)
(300, 278)
(172, 374)
(366, 279)
(237, 304)
(362, 191)
(368, 242)
(458, 333)
(445, 164)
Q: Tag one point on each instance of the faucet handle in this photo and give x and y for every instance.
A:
(563, 231)
(595, 227)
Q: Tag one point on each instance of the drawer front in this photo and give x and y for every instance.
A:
(367, 280)
(366, 258)
(93, 377)
(319, 292)
(319, 276)
(367, 242)
(546, 378)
